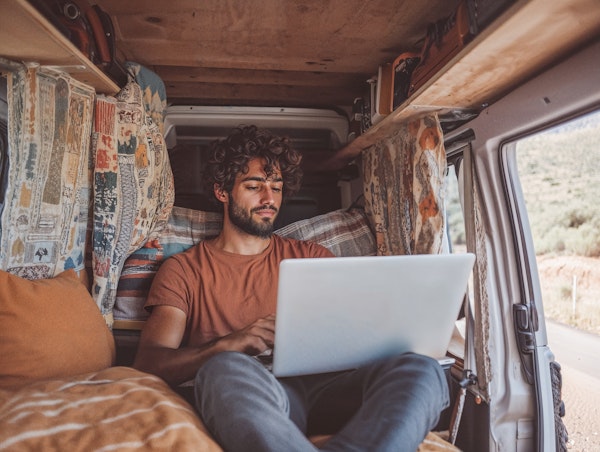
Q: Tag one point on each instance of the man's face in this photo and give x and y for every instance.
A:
(255, 200)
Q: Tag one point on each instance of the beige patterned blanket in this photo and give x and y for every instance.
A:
(116, 409)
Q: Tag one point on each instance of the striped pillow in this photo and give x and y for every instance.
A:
(185, 228)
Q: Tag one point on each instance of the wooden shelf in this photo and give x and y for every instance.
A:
(26, 36)
(530, 36)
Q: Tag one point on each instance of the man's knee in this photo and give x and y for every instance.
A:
(412, 369)
(218, 380)
(223, 364)
(410, 363)
(229, 373)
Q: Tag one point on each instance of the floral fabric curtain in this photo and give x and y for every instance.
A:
(404, 187)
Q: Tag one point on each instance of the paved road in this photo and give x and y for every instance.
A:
(574, 348)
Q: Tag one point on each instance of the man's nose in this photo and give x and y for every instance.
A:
(267, 196)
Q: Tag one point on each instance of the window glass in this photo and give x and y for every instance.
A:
(454, 213)
(455, 230)
(559, 171)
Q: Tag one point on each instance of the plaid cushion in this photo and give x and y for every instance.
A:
(343, 232)
(185, 228)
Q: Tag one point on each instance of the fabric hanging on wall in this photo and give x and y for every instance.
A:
(477, 244)
(133, 188)
(3, 142)
(154, 93)
(47, 201)
(404, 186)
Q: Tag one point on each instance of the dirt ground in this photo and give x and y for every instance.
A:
(581, 391)
(581, 394)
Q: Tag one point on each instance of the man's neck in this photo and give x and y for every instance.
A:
(232, 240)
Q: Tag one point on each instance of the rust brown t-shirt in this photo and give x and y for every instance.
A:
(222, 292)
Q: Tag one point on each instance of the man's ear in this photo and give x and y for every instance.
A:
(220, 193)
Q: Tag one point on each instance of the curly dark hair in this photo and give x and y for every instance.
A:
(230, 157)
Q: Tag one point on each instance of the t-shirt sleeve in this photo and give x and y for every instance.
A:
(169, 287)
(320, 251)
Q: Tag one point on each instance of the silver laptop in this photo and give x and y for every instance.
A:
(340, 313)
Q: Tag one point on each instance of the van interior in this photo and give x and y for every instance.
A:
(338, 78)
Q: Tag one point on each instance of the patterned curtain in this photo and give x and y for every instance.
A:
(404, 186)
(47, 201)
(154, 93)
(133, 188)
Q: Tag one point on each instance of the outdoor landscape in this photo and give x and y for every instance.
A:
(560, 175)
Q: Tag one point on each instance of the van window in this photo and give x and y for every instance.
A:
(559, 170)
(455, 220)
(457, 243)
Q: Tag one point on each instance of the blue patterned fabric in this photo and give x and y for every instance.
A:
(133, 188)
(154, 93)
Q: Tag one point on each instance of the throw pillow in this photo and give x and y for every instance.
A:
(50, 328)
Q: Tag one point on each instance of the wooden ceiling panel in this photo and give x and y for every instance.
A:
(283, 46)
(256, 77)
(257, 95)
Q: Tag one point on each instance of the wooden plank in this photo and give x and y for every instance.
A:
(534, 35)
(242, 94)
(530, 36)
(257, 77)
(26, 36)
(340, 35)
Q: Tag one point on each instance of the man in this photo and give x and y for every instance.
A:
(213, 309)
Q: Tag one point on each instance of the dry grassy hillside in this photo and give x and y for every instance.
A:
(560, 174)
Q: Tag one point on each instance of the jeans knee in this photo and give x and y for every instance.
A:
(432, 374)
(233, 370)
(231, 379)
(411, 362)
(224, 362)
(218, 377)
(421, 370)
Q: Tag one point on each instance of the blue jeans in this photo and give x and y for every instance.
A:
(246, 408)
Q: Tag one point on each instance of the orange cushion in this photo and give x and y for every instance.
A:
(50, 328)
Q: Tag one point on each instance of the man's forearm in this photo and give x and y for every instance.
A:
(175, 366)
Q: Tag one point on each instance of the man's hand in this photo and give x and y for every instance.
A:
(253, 339)
(159, 350)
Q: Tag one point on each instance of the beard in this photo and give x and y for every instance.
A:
(243, 220)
